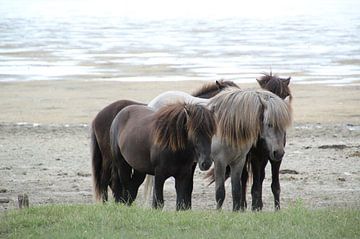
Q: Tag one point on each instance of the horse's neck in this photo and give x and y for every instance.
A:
(170, 97)
(223, 152)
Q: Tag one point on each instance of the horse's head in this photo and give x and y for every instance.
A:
(201, 127)
(277, 116)
(278, 86)
(182, 126)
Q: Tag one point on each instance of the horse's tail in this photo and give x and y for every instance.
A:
(148, 188)
(249, 171)
(210, 175)
(115, 151)
(97, 159)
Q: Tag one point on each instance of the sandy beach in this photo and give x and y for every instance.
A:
(44, 143)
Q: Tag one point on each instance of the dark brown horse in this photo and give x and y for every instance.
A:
(257, 158)
(103, 174)
(164, 143)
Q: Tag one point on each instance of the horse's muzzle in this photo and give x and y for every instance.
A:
(277, 155)
(204, 164)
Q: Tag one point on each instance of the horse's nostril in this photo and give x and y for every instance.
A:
(278, 154)
(205, 165)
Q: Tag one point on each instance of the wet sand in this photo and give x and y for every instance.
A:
(44, 143)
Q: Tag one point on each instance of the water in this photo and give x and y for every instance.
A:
(43, 42)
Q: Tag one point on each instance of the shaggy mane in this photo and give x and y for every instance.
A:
(240, 114)
(175, 123)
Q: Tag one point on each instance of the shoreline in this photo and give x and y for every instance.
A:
(77, 102)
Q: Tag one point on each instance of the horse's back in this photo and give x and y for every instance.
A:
(166, 98)
(132, 113)
(171, 97)
(102, 121)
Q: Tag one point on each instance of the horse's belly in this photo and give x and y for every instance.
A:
(138, 158)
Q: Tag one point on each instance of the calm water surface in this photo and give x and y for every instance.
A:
(320, 48)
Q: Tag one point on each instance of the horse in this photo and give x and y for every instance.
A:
(244, 117)
(102, 170)
(163, 143)
(257, 158)
(246, 130)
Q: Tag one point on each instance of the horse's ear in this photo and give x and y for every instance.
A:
(287, 80)
(262, 82)
(218, 84)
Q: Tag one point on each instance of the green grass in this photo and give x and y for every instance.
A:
(116, 221)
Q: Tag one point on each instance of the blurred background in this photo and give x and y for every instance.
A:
(315, 41)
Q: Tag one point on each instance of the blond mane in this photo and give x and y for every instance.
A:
(240, 114)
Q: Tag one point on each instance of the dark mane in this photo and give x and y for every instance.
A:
(211, 89)
(278, 86)
(175, 123)
(201, 121)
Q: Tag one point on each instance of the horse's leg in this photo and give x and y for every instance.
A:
(275, 184)
(219, 183)
(184, 188)
(158, 194)
(258, 167)
(244, 179)
(116, 186)
(136, 180)
(236, 170)
(124, 173)
(256, 184)
(121, 173)
(190, 186)
(182, 199)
